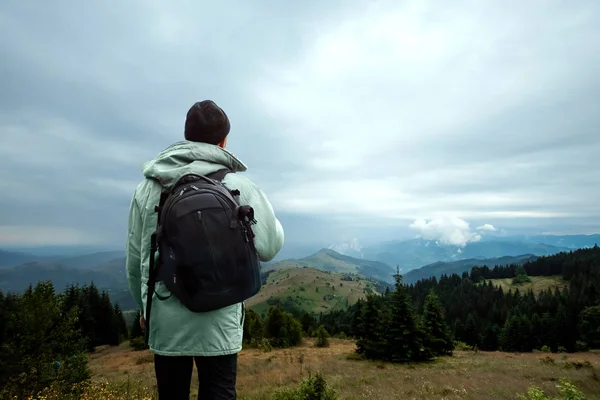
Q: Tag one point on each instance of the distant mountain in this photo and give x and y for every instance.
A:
(17, 279)
(414, 253)
(352, 248)
(310, 290)
(90, 261)
(12, 258)
(332, 261)
(565, 241)
(439, 268)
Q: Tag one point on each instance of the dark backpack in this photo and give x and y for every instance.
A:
(205, 242)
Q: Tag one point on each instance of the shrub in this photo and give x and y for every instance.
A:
(462, 346)
(138, 343)
(546, 349)
(567, 390)
(520, 279)
(311, 388)
(322, 337)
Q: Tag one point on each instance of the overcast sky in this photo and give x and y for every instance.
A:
(367, 119)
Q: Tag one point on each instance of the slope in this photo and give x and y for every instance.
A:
(311, 290)
(332, 261)
(458, 267)
(537, 284)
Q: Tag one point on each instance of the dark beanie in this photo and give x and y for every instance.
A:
(206, 122)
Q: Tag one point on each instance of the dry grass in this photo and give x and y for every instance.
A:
(466, 375)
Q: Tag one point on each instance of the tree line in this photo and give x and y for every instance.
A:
(482, 314)
(45, 336)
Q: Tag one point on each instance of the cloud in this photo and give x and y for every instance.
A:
(46, 235)
(448, 231)
(356, 118)
(487, 227)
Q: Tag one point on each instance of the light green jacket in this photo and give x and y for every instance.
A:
(174, 330)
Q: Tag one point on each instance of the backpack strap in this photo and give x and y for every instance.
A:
(152, 268)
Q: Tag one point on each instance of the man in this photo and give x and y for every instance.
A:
(179, 337)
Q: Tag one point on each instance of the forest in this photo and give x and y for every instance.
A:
(485, 316)
(45, 336)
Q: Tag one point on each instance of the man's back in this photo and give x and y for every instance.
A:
(175, 330)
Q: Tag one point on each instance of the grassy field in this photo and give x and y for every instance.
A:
(466, 375)
(310, 290)
(537, 284)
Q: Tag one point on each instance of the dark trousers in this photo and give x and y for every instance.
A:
(216, 377)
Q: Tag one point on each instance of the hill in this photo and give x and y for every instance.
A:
(439, 268)
(415, 253)
(311, 290)
(331, 261)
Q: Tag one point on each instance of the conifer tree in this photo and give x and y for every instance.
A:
(368, 343)
(403, 336)
(136, 329)
(438, 337)
(120, 323)
(356, 325)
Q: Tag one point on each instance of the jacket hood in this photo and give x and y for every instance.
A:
(187, 157)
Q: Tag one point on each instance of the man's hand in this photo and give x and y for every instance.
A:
(142, 322)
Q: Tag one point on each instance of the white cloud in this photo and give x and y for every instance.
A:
(487, 227)
(359, 116)
(412, 110)
(449, 231)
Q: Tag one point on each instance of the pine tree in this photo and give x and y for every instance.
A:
(510, 337)
(470, 333)
(136, 328)
(356, 325)
(402, 335)
(120, 323)
(438, 337)
(590, 326)
(368, 343)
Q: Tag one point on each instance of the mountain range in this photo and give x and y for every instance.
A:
(415, 253)
(440, 268)
(107, 268)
